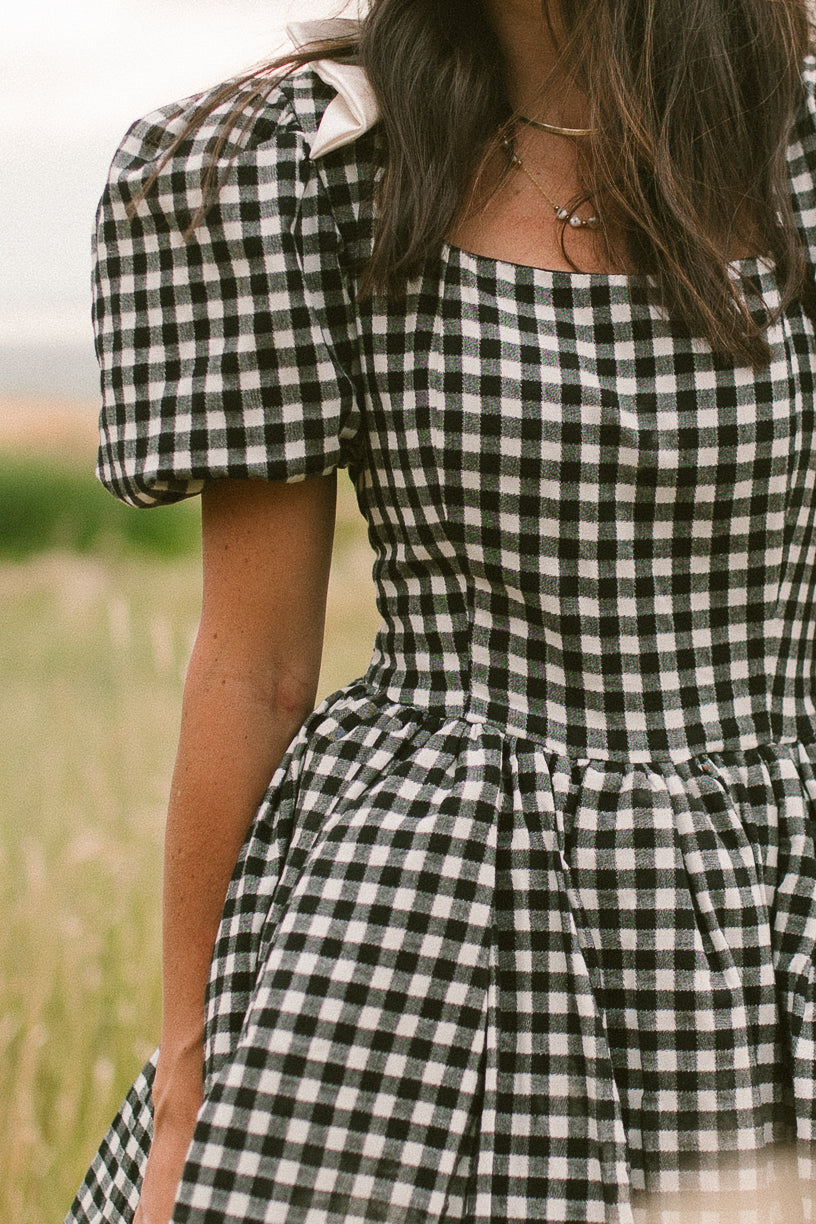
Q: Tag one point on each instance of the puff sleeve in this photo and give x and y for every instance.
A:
(228, 351)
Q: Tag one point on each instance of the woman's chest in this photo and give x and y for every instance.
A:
(548, 406)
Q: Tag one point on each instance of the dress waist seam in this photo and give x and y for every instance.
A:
(444, 712)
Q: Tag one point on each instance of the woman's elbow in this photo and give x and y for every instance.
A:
(277, 688)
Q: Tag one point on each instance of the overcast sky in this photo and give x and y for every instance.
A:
(75, 74)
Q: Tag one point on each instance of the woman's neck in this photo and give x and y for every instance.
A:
(535, 85)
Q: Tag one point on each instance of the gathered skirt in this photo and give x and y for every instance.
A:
(461, 978)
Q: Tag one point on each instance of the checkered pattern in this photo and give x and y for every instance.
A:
(524, 928)
(216, 351)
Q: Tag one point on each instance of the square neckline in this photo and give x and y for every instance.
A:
(564, 278)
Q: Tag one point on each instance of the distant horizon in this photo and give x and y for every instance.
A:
(56, 370)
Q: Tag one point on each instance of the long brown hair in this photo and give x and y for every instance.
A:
(692, 103)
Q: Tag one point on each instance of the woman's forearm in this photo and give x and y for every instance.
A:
(234, 732)
(251, 681)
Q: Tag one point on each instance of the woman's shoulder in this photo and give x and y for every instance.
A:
(257, 120)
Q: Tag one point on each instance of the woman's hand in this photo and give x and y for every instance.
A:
(176, 1101)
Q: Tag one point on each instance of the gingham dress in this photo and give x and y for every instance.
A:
(524, 927)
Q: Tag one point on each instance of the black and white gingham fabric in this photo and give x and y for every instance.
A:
(220, 350)
(524, 928)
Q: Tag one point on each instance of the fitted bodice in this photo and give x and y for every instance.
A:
(587, 527)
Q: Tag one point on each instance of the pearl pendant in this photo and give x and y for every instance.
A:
(579, 222)
(563, 214)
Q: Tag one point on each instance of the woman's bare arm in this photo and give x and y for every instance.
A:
(252, 679)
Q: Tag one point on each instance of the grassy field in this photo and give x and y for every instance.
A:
(92, 657)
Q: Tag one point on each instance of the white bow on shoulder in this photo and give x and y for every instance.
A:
(354, 110)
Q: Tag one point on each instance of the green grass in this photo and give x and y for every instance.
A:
(92, 655)
(46, 506)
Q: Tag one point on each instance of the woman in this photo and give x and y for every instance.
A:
(523, 926)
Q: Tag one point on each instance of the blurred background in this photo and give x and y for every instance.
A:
(99, 603)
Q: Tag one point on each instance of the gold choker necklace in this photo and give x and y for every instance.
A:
(551, 127)
(563, 214)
